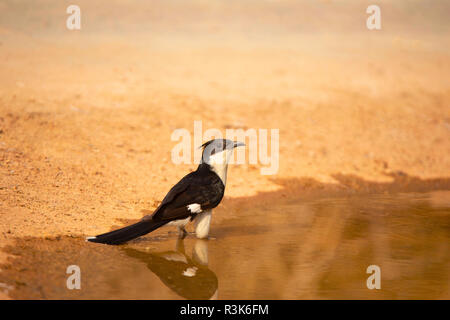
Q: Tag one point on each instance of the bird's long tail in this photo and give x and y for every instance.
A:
(127, 233)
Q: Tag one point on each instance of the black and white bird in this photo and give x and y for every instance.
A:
(191, 199)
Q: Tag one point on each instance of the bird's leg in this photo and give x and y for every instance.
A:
(182, 233)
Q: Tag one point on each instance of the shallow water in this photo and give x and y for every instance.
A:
(317, 249)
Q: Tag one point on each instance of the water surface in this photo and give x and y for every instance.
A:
(316, 249)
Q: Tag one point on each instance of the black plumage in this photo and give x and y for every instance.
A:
(202, 188)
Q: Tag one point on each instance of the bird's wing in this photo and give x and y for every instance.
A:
(190, 196)
(180, 187)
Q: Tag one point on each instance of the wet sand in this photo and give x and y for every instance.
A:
(86, 117)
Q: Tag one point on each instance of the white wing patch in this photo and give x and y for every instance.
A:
(190, 272)
(194, 208)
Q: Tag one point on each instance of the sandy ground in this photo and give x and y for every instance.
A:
(86, 116)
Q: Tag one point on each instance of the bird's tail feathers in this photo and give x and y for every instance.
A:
(127, 233)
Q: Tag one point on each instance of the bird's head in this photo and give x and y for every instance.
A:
(218, 151)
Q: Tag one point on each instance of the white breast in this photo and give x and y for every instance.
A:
(219, 164)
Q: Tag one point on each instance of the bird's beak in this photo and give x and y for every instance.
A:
(238, 144)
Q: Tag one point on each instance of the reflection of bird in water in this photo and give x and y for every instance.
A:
(189, 278)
